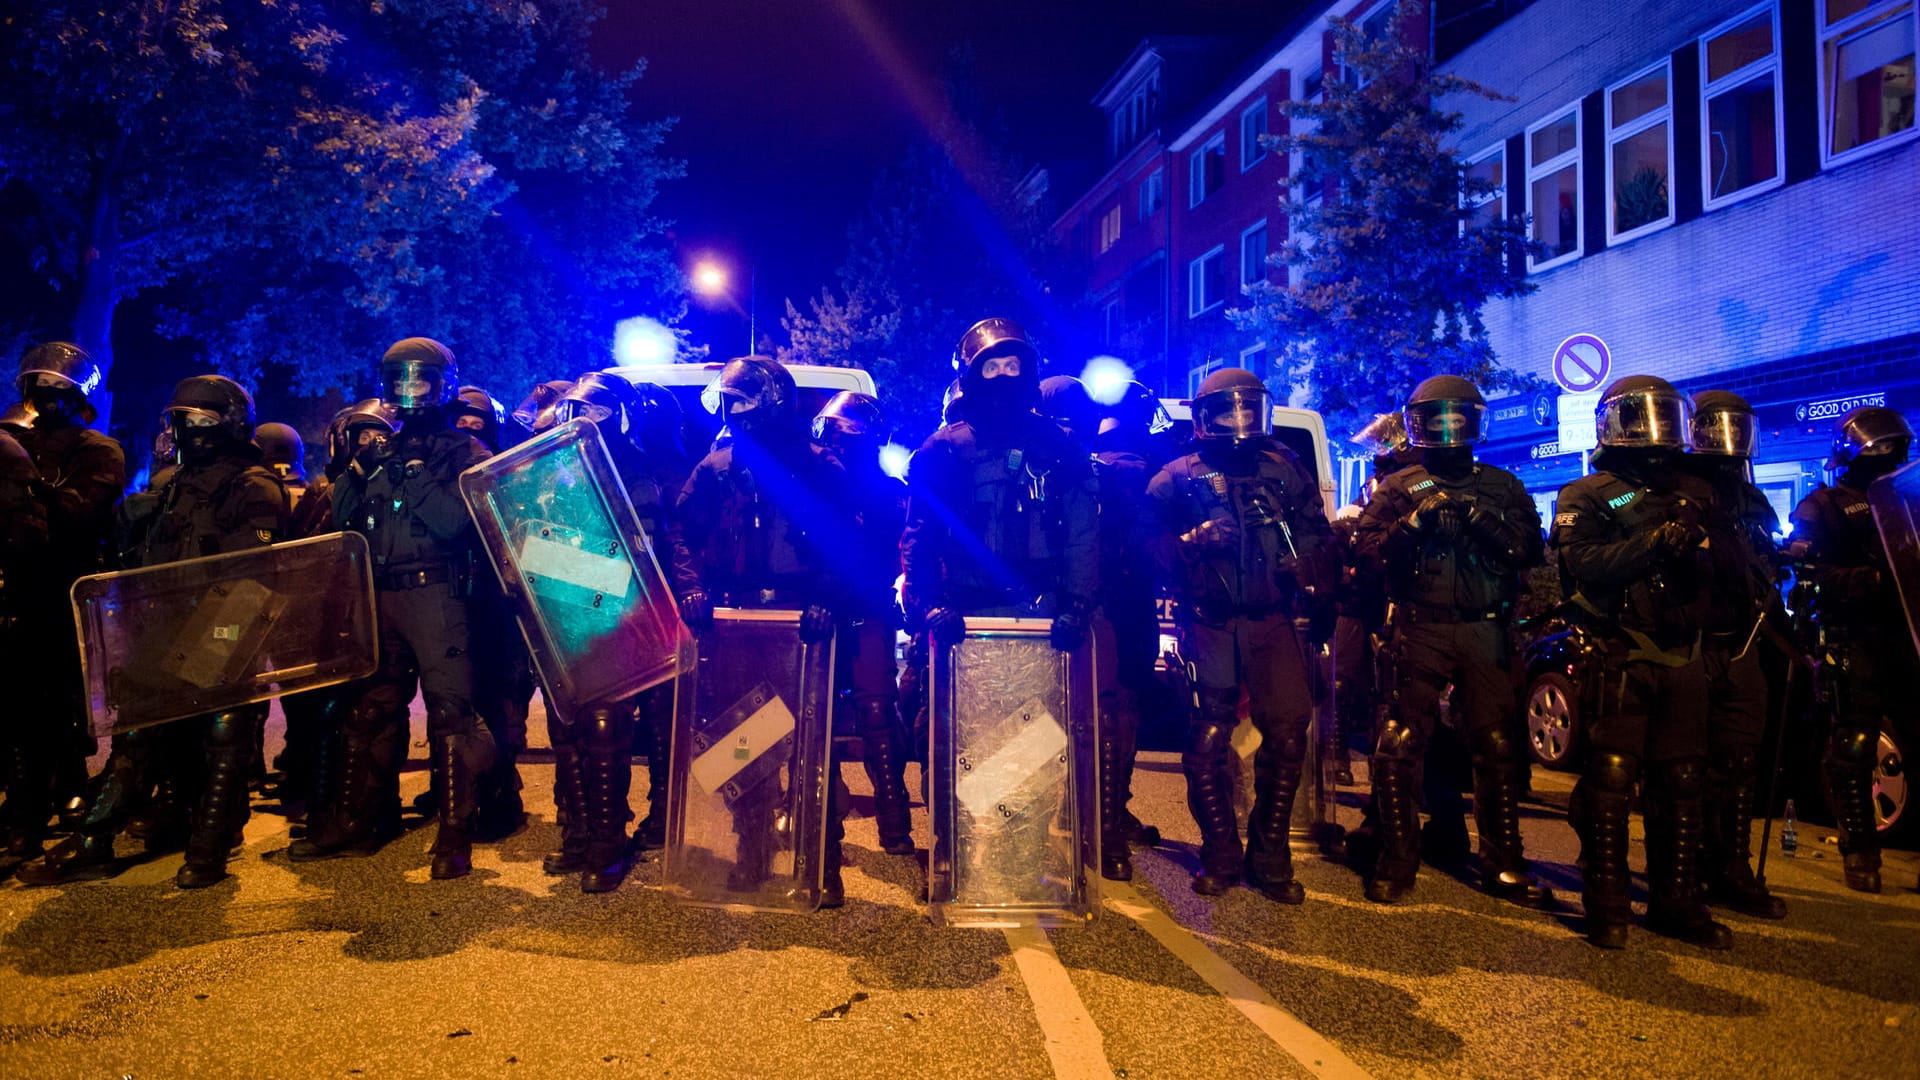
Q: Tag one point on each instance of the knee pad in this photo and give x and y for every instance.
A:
(1399, 742)
(1495, 743)
(229, 729)
(451, 718)
(1285, 744)
(607, 728)
(1684, 779)
(1612, 773)
(368, 717)
(1853, 747)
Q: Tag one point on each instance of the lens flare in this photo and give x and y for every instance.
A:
(893, 460)
(1107, 379)
(641, 340)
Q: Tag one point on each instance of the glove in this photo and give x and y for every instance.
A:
(696, 610)
(1214, 534)
(946, 626)
(1070, 625)
(816, 624)
(1439, 514)
(1674, 539)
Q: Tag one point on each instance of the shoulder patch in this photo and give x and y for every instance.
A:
(1859, 508)
(265, 536)
(1566, 517)
(1421, 486)
(1621, 500)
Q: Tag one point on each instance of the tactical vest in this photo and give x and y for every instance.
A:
(398, 539)
(1244, 581)
(1450, 577)
(758, 552)
(1667, 607)
(200, 511)
(1012, 506)
(1849, 539)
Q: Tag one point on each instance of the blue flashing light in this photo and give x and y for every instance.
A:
(893, 460)
(641, 340)
(1107, 379)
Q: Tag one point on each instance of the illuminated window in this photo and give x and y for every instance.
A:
(1110, 228)
(1740, 98)
(1640, 153)
(1207, 169)
(1486, 190)
(1553, 187)
(1866, 74)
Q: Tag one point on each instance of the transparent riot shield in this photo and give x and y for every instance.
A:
(747, 801)
(1015, 799)
(1896, 511)
(200, 635)
(597, 613)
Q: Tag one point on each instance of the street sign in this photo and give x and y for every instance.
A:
(1581, 364)
(1578, 430)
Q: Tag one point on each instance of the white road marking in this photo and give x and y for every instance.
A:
(1313, 1051)
(1073, 1042)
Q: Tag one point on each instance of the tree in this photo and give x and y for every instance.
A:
(305, 184)
(1393, 265)
(950, 236)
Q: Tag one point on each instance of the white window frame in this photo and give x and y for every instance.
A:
(1554, 165)
(1198, 374)
(1157, 182)
(1825, 38)
(1257, 347)
(1258, 110)
(1196, 282)
(1472, 203)
(1257, 226)
(1732, 80)
(1197, 168)
(1615, 136)
(1360, 22)
(1114, 217)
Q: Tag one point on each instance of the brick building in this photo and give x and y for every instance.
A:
(1726, 190)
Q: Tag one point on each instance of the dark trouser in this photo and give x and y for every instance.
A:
(1653, 720)
(1353, 671)
(1736, 724)
(502, 695)
(865, 654)
(1426, 658)
(1126, 637)
(654, 709)
(1869, 678)
(220, 806)
(1266, 657)
(46, 738)
(423, 637)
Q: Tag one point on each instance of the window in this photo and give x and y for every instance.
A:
(1485, 194)
(1109, 228)
(1253, 254)
(1254, 358)
(1640, 153)
(1866, 74)
(1207, 281)
(1740, 98)
(1134, 116)
(1153, 193)
(1199, 372)
(1207, 169)
(1553, 187)
(1110, 322)
(1374, 26)
(1253, 126)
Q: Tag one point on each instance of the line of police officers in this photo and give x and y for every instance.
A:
(1031, 500)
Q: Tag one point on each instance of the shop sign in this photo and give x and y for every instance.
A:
(1834, 408)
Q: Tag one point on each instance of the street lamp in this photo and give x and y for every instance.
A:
(710, 279)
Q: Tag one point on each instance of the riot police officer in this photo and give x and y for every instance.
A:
(851, 430)
(765, 521)
(1740, 525)
(218, 499)
(1631, 542)
(400, 492)
(1244, 540)
(1360, 601)
(1865, 651)
(1449, 537)
(659, 430)
(82, 474)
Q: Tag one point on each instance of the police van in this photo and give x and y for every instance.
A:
(816, 382)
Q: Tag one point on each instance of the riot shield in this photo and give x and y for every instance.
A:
(747, 801)
(201, 635)
(1895, 499)
(1015, 799)
(597, 613)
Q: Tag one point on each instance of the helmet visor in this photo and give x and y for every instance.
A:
(1384, 434)
(1651, 418)
(575, 409)
(1237, 413)
(30, 381)
(1725, 433)
(1877, 433)
(410, 384)
(187, 417)
(1445, 422)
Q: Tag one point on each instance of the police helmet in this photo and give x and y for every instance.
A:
(1232, 404)
(1643, 411)
(1385, 434)
(1723, 425)
(1065, 401)
(57, 366)
(209, 412)
(1445, 411)
(1870, 431)
(281, 450)
(752, 391)
(1138, 410)
(418, 373)
(604, 398)
(850, 414)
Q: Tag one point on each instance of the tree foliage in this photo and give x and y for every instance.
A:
(1393, 264)
(950, 236)
(304, 183)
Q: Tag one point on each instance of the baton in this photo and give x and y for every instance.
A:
(1773, 776)
(1753, 635)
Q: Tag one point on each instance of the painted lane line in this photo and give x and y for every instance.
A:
(1313, 1051)
(1073, 1041)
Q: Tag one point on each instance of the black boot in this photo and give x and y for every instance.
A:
(1674, 838)
(502, 812)
(223, 808)
(1269, 866)
(1849, 780)
(29, 801)
(651, 833)
(885, 763)
(1730, 881)
(1116, 862)
(1496, 808)
(1210, 792)
(1605, 795)
(608, 762)
(1399, 829)
(570, 797)
(84, 856)
(833, 890)
(459, 761)
(363, 805)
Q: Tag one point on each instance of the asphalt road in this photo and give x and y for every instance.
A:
(368, 968)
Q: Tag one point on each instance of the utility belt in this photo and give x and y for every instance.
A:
(1213, 616)
(1641, 646)
(420, 578)
(778, 595)
(1417, 614)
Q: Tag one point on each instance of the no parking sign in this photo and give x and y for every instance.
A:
(1581, 363)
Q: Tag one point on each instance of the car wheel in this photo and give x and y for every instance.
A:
(1893, 811)
(1553, 720)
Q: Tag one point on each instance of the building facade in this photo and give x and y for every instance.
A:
(1724, 192)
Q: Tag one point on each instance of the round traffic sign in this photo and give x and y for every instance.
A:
(1581, 363)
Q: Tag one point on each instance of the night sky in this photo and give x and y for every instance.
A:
(789, 108)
